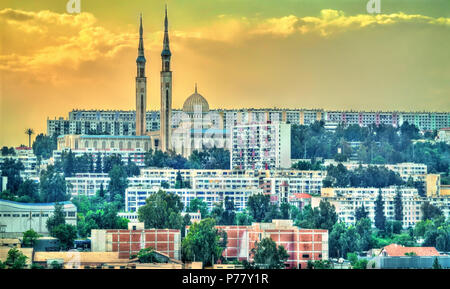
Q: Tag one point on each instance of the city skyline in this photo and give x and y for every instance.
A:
(86, 60)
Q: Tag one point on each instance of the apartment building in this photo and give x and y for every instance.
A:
(263, 146)
(302, 245)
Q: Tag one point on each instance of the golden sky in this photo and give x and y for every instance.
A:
(329, 54)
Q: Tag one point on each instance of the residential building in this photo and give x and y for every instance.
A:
(261, 146)
(302, 245)
(130, 242)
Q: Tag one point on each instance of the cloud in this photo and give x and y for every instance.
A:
(36, 42)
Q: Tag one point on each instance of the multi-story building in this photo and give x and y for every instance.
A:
(443, 135)
(302, 245)
(130, 242)
(135, 196)
(347, 200)
(16, 218)
(123, 122)
(261, 146)
(26, 156)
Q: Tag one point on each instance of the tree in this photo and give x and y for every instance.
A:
(323, 217)
(361, 212)
(58, 218)
(52, 186)
(319, 264)
(430, 211)
(28, 192)
(243, 219)
(29, 132)
(258, 206)
(198, 205)
(16, 259)
(380, 218)
(268, 256)
(398, 206)
(162, 211)
(436, 264)
(29, 237)
(43, 146)
(147, 255)
(118, 183)
(229, 215)
(66, 234)
(98, 164)
(11, 168)
(204, 242)
(355, 262)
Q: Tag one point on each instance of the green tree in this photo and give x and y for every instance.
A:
(198, 205)
(58, 217)
(436, 264)
(43, 146)
(319, 264)
(204, 242)
(29, 237)
(430, 211)
(52, 186)
(258, 206)
(11, 168)
(398, 206)
(66, 234)
(117, 184)
(16, 259)
(380, 217)
(162, 211)
(361, 213)
(229, 215)
(147, 255)
(243, 219)
(29, 132)
(266, 255)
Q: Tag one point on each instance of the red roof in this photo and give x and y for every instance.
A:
(302, 196)
(445, 128)
(399, 250)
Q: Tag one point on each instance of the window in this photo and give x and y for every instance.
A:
(305, 256)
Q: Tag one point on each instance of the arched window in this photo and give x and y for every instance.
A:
(104, 145)
(146, 146)
(129, 145)
(95, 144)
(86, 144)
(120, 145)
(112, 144)
(138, 145)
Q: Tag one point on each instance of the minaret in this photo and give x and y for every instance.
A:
(166, 92)
(141, 86)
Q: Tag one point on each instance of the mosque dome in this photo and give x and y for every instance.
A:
(195, 103)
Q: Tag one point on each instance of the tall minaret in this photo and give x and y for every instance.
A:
(166, 92)
(141, 86)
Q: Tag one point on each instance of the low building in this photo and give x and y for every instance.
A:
(302, 245)
(129, 242)
(443, 135)
(28, 252)
(16, 218)
(396, 256)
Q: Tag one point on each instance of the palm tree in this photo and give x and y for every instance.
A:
(29, 132)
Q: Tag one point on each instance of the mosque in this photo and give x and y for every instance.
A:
(197, 128)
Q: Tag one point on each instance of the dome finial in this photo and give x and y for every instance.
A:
(196, 87)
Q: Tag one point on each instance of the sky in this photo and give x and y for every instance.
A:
(328, 54)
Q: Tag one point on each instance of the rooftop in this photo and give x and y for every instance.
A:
(395, 250)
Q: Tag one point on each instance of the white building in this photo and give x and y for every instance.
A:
(26, 156)
(263, 146)
(16, 218)
(347, 200)
(443, 135)
(135, 197)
